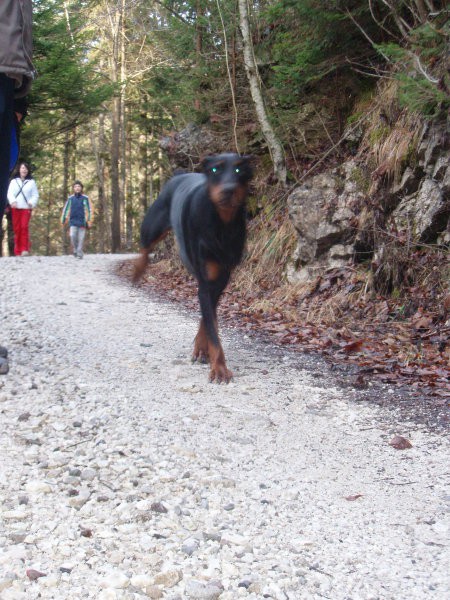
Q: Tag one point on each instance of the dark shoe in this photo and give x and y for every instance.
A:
(4, 367)
(3, 352)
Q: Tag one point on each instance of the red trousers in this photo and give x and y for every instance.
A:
(21, 219)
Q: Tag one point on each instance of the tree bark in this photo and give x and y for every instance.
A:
(116, 121)
(273, 143)
(65, 186)
(115, 188)
(198, 44)
(125, 195)
(143, 173)
(50, 201)
(129, 190)
(98, 147)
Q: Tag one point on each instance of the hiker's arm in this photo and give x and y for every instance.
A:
(33, 200)
(11, 196)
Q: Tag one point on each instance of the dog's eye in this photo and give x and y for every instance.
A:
(214, 170)
(237, 170)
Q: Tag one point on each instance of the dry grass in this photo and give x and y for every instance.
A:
(400, 265)
(391, 136)
(270, 245)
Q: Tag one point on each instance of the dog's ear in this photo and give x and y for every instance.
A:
(249, 158)
(249, 161)
(206, 163)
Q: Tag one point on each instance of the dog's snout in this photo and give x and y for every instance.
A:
(228, 189)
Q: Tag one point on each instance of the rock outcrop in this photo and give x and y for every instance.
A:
(187, 147)
(333, 211)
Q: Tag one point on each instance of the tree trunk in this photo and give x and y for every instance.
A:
(129, 191)
(115, 188)
(98, 148)
(273, 143)
(65, 187)
(10, 232)
(48, 225)
(125, 197)
(143, 174)
(199, 44)
(2, 237)
(422, 9)
(116, 122)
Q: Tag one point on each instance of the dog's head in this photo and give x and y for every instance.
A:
(227, 176)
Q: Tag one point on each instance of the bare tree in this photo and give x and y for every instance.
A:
(99, 148)
(273, 143)
(116, 17)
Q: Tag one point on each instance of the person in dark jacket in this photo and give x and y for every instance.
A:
(16, 74)
(78, 215)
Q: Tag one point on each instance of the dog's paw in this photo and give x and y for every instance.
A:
(220, 374)
(200, 356)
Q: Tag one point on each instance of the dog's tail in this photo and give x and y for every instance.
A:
(140, 264)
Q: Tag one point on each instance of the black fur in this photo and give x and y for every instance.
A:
(207, 214)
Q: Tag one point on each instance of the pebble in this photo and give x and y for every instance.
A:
(38, 487)
(168, 579)
(203, 591)
(88, 474)
(190, 546)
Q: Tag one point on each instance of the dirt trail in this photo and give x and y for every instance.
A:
(126, 475)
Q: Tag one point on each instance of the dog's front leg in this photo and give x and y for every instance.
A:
(209, 293)
(219, 371)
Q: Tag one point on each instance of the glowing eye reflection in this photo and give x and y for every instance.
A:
(237, 170)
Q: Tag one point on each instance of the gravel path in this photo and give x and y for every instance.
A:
(124, 474)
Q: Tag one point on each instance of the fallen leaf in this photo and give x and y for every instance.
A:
(446, 302)
(355, 497)
(353, 346)
(400, 443)
(423, 323)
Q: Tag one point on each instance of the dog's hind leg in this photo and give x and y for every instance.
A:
(155, 227)
(201, 352)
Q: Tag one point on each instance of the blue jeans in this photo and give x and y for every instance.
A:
(6, 131)
(77, 238)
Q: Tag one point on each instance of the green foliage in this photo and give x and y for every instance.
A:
(68, 89)
(378, 133)
(416, 64)
(361, 179)
(429, 40)
(308, 40)
(422, 96)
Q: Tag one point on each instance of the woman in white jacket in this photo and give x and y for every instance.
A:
(22, 196)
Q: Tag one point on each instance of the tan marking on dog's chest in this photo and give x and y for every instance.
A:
(212, 270)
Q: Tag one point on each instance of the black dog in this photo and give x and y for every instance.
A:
(207, 213)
